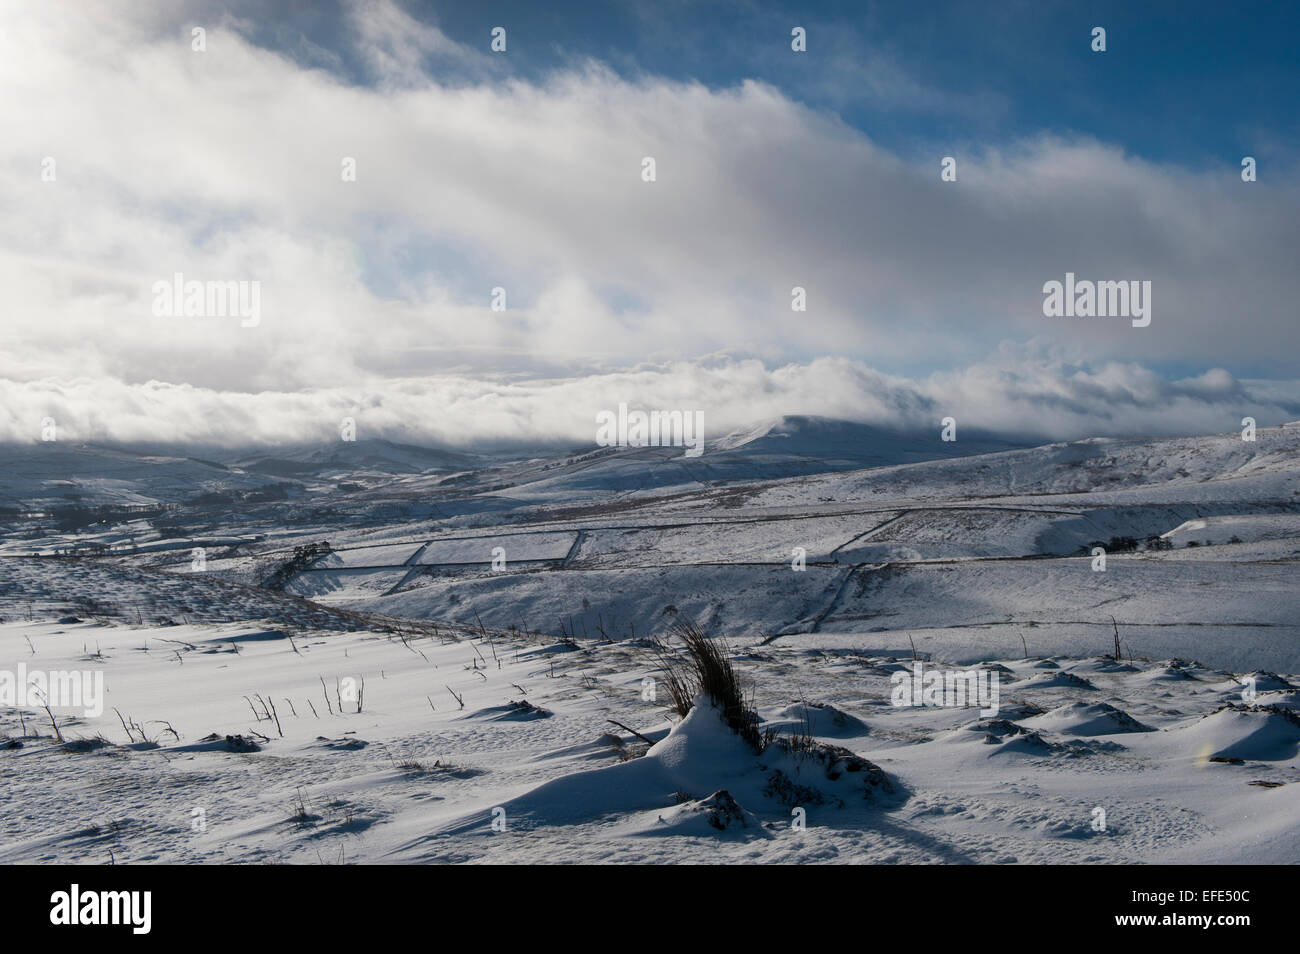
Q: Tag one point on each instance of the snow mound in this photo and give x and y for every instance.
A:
(1286, 699)
(993, 731)
(1081, 718)
(1105, 665)
(661, 791)
(809, 776)
(215, 742)
(1268, 681)
(1248, 733)
(1020, 710)
(1056, 680)
(719, 812)
(1011, 738)
(825, 719)
(1023, 743)
(1175, 671)
(601, 749)
(521, 711)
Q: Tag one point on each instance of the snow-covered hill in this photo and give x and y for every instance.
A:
(349, 458)
(45, 475)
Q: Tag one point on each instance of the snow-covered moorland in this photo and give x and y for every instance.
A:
(468, 671)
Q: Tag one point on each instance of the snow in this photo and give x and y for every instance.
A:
(413, 777)
(486, 731)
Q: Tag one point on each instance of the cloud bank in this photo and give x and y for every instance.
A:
(225, 165)
(1014, 394)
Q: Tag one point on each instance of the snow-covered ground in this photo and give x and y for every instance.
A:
(414, 776)
(485, 728)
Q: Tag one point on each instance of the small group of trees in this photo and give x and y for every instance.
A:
(303, 557)
(1155, 542)
(1114, 545)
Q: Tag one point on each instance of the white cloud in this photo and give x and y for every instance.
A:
(1017, 392)
(225, 165)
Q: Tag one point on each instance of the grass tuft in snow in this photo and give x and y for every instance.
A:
(704, 668)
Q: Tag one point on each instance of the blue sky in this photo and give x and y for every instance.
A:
(1195, 83)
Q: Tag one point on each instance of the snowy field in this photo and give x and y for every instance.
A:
(465, 672)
